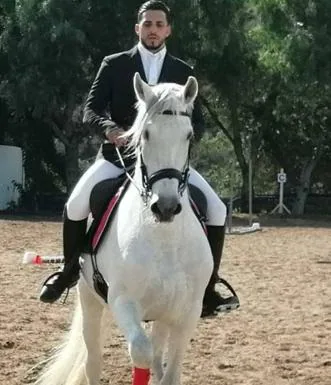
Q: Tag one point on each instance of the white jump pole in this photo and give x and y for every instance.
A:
(31, 258)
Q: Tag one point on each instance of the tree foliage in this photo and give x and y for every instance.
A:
(294, 45)
(263, 68)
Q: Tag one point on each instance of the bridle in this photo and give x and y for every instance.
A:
(166, 173)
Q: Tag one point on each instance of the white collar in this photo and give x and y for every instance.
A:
(144, 52)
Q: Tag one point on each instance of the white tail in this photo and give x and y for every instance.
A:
(66, 366)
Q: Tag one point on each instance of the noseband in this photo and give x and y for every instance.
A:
(165, 173)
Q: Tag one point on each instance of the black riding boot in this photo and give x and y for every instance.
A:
(213, 301)
(73, 240)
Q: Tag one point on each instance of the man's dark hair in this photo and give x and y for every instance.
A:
(154, 5)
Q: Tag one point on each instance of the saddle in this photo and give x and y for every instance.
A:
(104, 200)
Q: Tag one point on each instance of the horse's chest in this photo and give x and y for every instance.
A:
(157, 282)
(161, 267)
(171, 295)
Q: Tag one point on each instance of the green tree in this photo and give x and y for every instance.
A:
(54, 48)
(295, 47)
(233, 84)
(263, 71)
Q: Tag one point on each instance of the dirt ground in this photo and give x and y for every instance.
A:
(281, 335)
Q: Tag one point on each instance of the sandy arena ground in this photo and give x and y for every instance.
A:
(281, 335)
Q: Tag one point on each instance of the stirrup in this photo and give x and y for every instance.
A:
(61, 287)
(56, 274)
(227, 285)
(230, 303)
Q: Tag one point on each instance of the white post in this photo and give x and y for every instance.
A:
(230, 214)
(281, 193)
(281, 178)
(250, 184)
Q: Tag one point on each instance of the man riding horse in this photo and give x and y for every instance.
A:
(110, 107)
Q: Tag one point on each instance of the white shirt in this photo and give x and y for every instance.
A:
(152, 63)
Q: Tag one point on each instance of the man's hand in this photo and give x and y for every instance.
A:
(115, 137)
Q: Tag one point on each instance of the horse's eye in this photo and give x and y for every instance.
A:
(190, 135)
(146, 135)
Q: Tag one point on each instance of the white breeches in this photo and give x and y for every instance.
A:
(78, 204)
(216, 209)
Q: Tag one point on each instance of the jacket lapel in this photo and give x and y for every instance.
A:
(166, 70)
(137, 63)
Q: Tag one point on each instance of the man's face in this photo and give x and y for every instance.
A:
(153, 29)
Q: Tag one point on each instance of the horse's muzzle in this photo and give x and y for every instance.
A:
(165, 208)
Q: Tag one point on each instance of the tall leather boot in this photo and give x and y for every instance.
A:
(74, 233)
(213, 301)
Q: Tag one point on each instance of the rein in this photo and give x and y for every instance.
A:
(165, 173)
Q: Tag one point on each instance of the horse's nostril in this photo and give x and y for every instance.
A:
(165, 208)
(178, 209)
(155, 208)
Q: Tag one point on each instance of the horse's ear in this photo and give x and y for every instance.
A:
(143, 90)
(190, 90)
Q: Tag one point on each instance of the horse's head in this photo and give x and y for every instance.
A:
(161, 136)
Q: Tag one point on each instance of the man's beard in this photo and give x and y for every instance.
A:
(153, 47)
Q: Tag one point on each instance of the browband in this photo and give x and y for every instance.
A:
(169, 112)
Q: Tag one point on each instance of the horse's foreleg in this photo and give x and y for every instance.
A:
(128, 318)
(159, 336)
(179, 338)
(92, 313)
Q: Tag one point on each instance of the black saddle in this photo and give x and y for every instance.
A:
(106, 189)
(101, 194)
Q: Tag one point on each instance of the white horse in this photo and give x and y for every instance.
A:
(155, 256)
